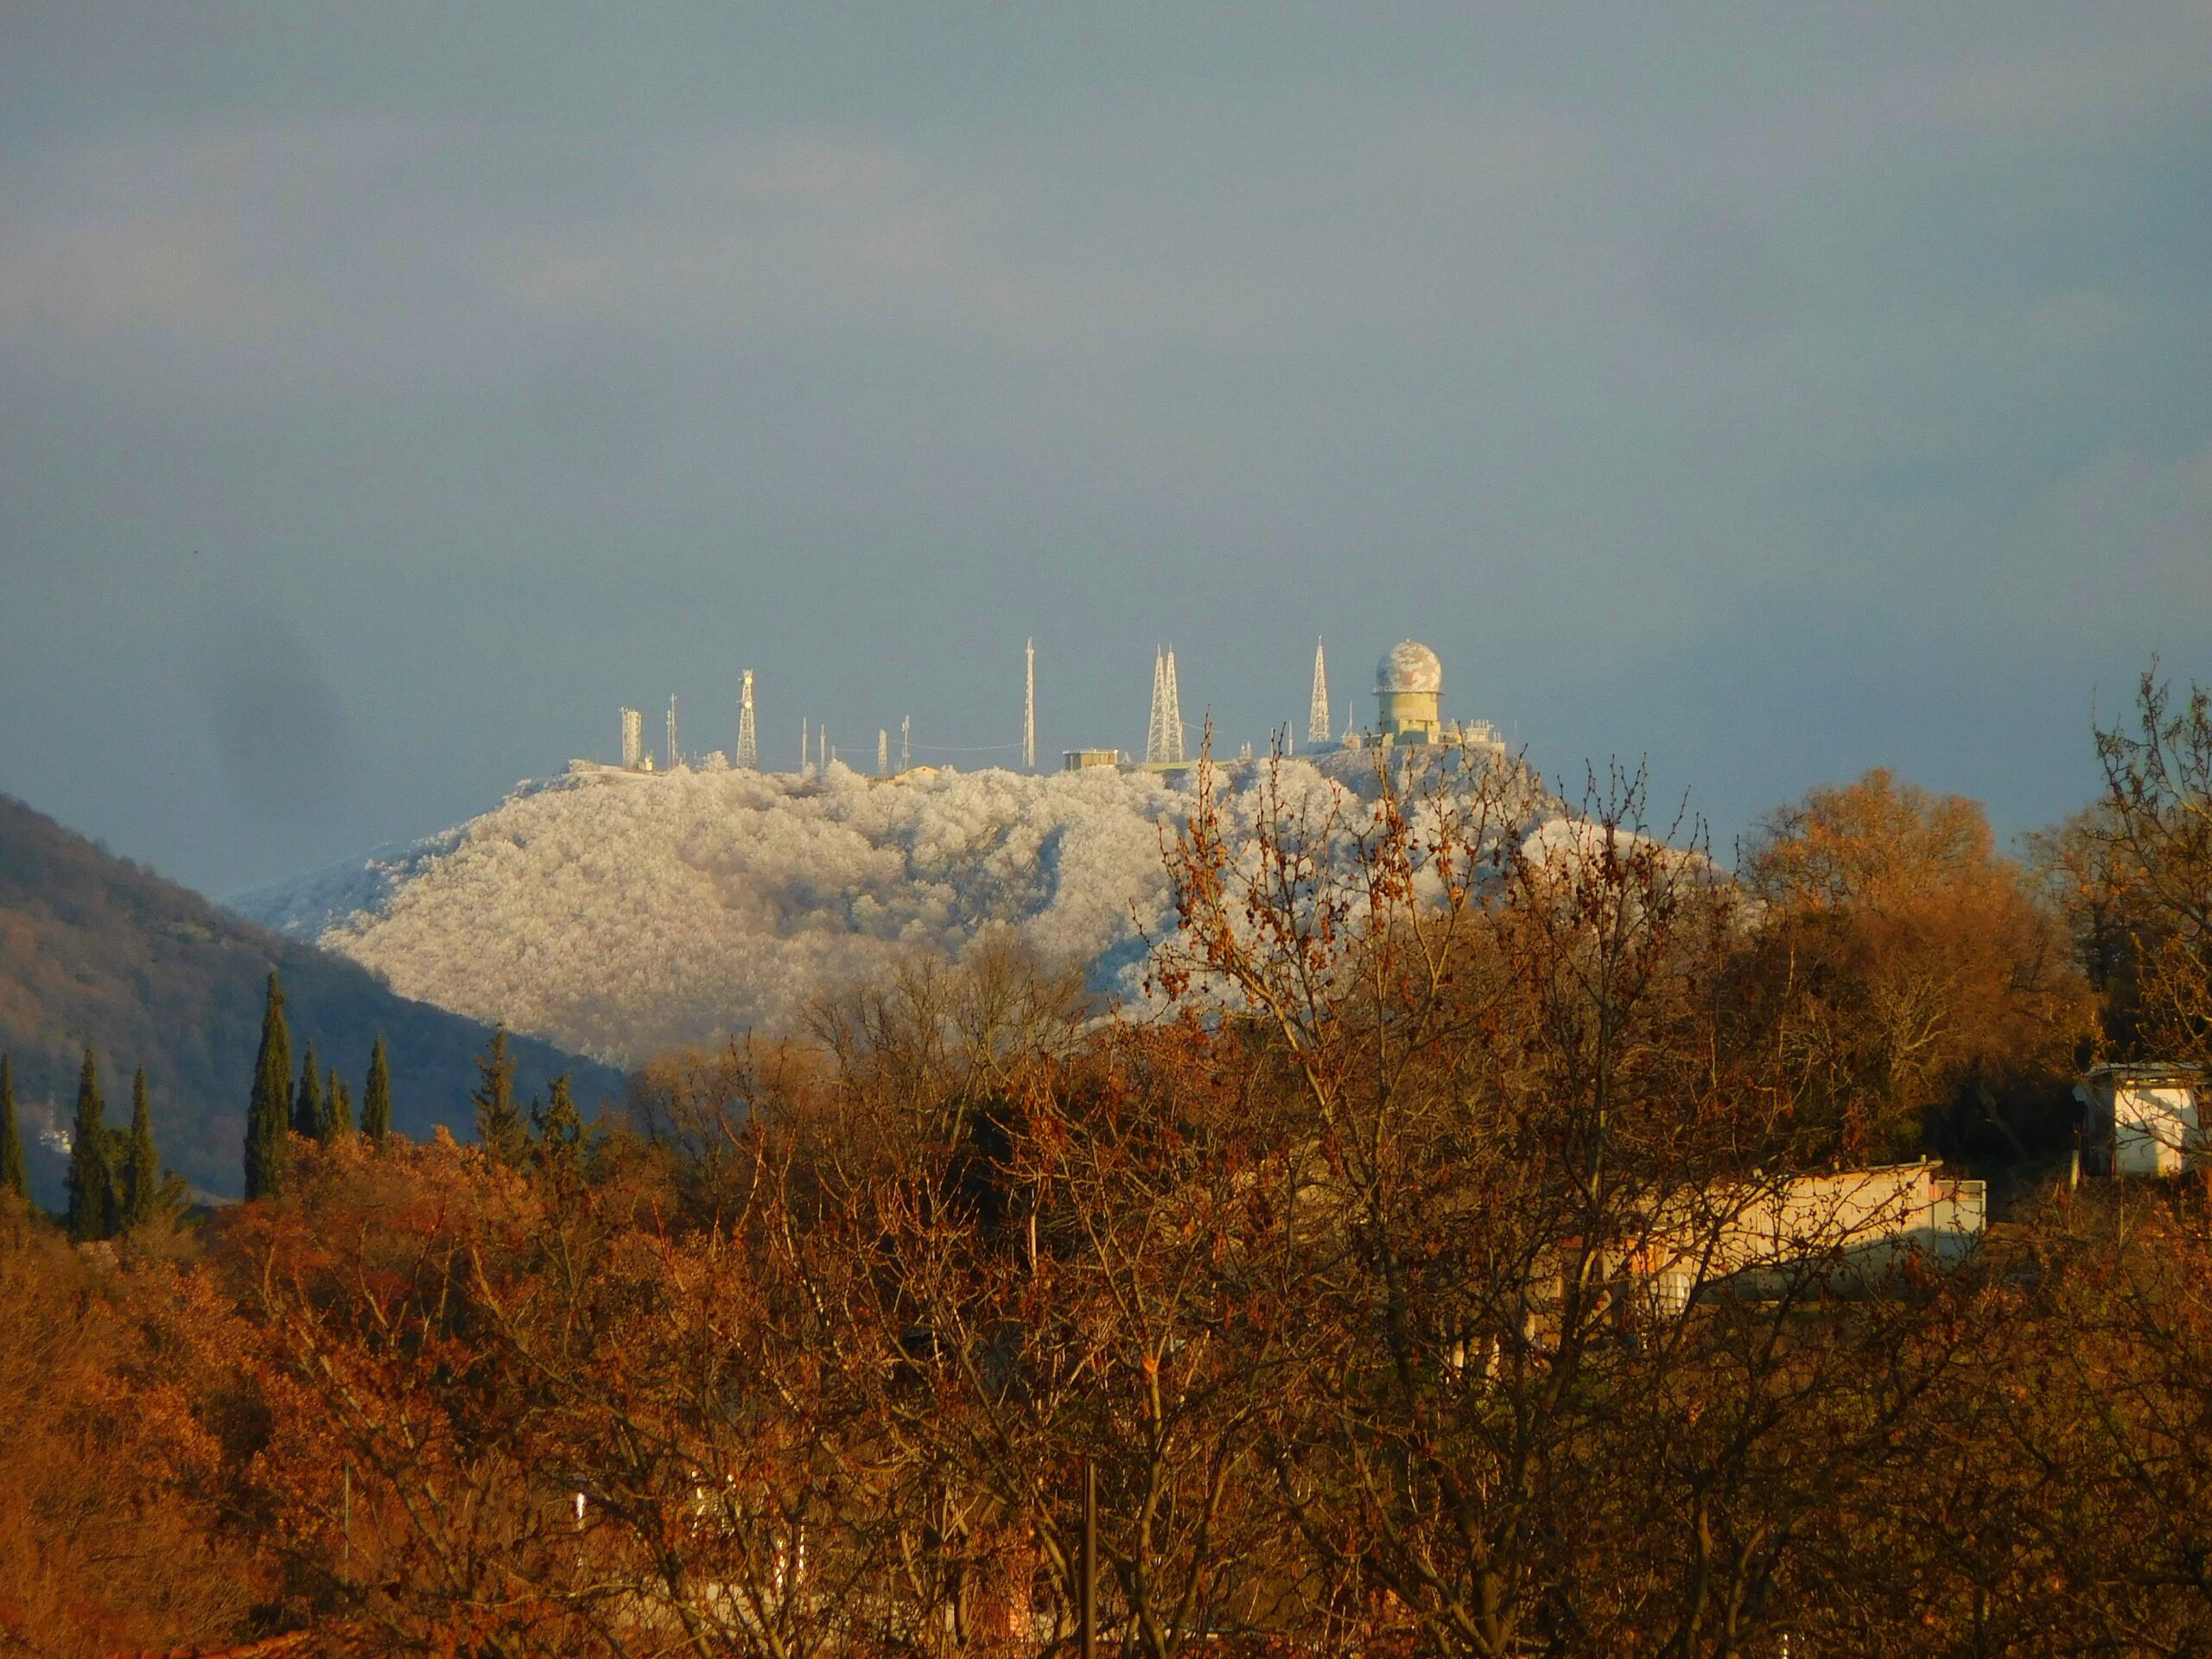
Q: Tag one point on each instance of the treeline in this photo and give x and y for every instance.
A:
(1392, 1286)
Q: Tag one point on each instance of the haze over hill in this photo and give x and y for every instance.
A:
(94, 949)
(617, 914)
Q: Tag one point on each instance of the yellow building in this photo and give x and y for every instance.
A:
(1409, 690)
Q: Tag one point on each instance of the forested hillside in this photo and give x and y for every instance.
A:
(94, 949)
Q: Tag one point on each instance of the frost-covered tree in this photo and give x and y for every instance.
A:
(375, 1096)
(13, 1177)
(269, 1114)
(92, 1178)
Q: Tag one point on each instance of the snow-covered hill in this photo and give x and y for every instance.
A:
(618, 913)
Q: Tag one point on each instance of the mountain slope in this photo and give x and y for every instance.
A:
(96, 948)
(618, 913)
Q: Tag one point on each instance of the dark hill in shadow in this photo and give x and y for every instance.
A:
(96, 948)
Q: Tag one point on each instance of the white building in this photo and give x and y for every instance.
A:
(2141, 1120)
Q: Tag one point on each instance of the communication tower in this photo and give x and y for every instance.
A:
(882, 753)
(633, 740)
(905, 742)
(1163, 741)
(749, 744)
(805, 753)
(1317, 720)
(671, 733)
(1029, 707)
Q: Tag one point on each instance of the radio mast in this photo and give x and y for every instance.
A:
(882, 753)
(748, 745)
(633, 740)
(1029, 707)
(1317, 720)
(671, 733)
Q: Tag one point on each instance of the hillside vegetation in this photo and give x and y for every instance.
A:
(619, 914)
(94, 949)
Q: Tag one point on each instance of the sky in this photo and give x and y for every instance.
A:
(390, 394)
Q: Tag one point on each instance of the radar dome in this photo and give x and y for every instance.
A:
(1409, 666)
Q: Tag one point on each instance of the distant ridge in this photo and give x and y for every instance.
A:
(96, 948)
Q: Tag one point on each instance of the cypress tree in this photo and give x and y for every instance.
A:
(560, 1128)
(498, 1125)
(13, 1177)
(339, 1107)
(268, 1115)
(376, 1096)
(141, 1175)
(310, 1118)
(91, 1181)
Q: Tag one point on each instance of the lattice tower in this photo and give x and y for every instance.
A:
(905, 742)
(1029, 707)
(1170, 719)
(748, 741)
(672, 734)
(882, 753)
(633, 740)
(1317, 719)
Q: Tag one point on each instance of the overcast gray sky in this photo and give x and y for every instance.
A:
(388, 393)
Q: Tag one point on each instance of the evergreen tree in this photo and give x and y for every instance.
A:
(141, 1185)
(91, 1180)
(338, 1108)
(13, 1177)
(376, 1096)
(268, 1115)
(310, 1118)
(498, 1125)
(560, 1128)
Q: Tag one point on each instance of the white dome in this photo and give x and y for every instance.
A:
(1409, 666)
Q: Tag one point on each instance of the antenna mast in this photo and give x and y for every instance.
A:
(882, 753)
(633, 740)
(748, 745)
(1155, 744)
(1029, 707)
(671, 732)
(905, 742)
(1171, 721)
(1317, 720)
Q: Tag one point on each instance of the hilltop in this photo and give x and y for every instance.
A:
(618, 913)
(96, 948)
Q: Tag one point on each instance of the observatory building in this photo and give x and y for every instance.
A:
(1408, 705)
(1408, 689)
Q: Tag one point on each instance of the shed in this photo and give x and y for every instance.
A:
(2141, 1119)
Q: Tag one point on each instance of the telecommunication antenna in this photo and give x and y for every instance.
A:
(804, 752)
(883, 754)
(1155, 744)
(748, 745)
(1317, 720)
(1171, 719)
(671, 733)
(821, 742)
(905, 742)
(633, 740)
(1029, 707)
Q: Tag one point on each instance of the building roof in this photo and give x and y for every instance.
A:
(1409, 666)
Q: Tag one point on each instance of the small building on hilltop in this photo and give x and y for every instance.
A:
(2141, 1119)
